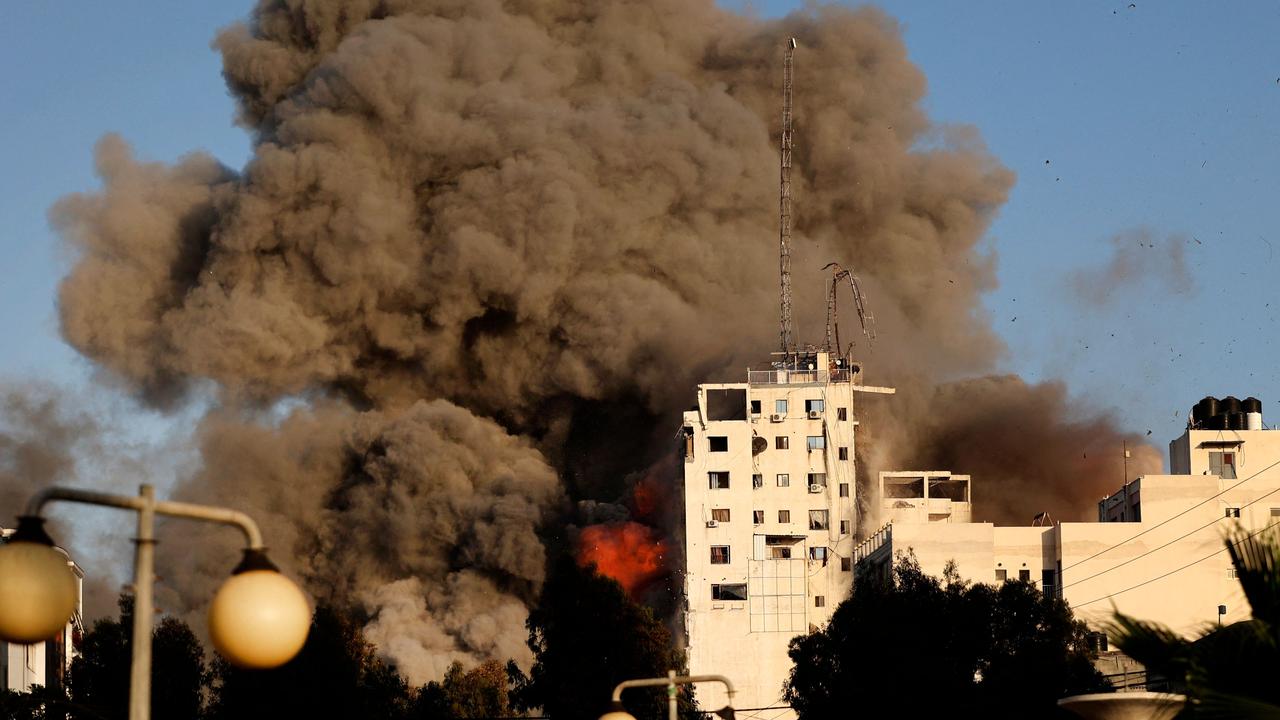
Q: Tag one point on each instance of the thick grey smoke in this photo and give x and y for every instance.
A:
(557, 215)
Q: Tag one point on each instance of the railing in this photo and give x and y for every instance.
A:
(799, 377)
(877, 540)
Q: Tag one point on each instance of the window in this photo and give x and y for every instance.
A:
(814, 406)
(781, 442)
(719, 554)
(784, 480)
(819, 519)
(818, 553)
(844, 527)
(755, 407)
(1233, 512)
(757, 517)
(720, 514)
(818, 479)
(842, 414)
(779, 553)
(784, 516)
(844, 489)
(816, 442)
(719, 443)
(780, 407)
(1223, 464)
(735, 591)
(819, 601)
(718, 480)
(1002, 575)
(844, 453)
(757, 480)
(1024, 575)
(1275, 512)
(1047, 582)
(846, 564)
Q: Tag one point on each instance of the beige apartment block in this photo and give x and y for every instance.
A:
(769, 499)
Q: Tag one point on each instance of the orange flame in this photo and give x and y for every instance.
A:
(631, 553)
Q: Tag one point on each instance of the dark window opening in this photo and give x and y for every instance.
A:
(784, 516)
(1024, 575)
(819, 601)
(757, 480)
(954, 490)
(844, 527)
(844, 489)
(757, 517)
(718, 443)
(755, 407)
(904, 487)
(719, 554)
(718, 480)
(1002, 575)
(842, 414)
(734, 591)
(779, 553)
(1233, 512)
(844, 453)
(846, 564)
(728, 404)
(781, 442)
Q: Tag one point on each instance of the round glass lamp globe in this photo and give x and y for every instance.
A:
(617, 715)
(259, 619)
(37, 592)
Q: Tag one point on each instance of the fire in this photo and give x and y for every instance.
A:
(631, 553)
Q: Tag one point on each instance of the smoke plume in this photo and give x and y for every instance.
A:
(494, 245)
(1139, 261)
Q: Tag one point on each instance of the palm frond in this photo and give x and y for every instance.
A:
(1158, 648)
(1256, 558)
(1213, 705)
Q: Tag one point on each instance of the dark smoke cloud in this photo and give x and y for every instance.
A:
(558, 215)
(1140, 261)
(39, 440)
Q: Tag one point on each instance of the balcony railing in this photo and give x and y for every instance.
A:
(798, 377)
(877, 540)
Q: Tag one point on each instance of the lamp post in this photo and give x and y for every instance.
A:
(258, 618)
(618, 712)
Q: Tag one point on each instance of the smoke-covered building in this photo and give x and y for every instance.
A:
(45, 664)
(769, 512)
(1156, 551)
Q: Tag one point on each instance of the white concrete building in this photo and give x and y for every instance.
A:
(1155, 553)
(44, 664)
(769, 501)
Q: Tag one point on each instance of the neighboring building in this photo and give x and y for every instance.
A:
(769, 499)
(44, 664)
(1156, 553)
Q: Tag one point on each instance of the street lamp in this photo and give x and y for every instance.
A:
(618, 712)
(258, 618)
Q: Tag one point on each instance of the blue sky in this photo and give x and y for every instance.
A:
(1159, 116)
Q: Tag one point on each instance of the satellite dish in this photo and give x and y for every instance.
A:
(758, 445)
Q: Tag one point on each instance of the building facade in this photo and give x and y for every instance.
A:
(1156, 552)
(769, 512)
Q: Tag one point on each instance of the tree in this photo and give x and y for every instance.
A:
(481, 692)
(1227, 672)
(99, 681)
(587, 636)
(336, 675)
(913, 644)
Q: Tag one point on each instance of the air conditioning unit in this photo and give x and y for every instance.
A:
(815, 488)
(815, 414)
(712, 523)
(777, 417)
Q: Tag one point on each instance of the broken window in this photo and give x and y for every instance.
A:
(755, 407)
(735, 591)
(1024, 575)
(719, 554)
(844, 527)
(757, 480)
(730, 404)
(945, 487)
(813, 406)
(816, 442)
(779, 553)
(718, 443)
(818, 479)
(757, 517)
(819, 519)
(1223, 464)
(844, 453)
(784, 480)
(904, 487)
(842, 414)
(780, 407)
(784, 516)
(844, 489)
(718, 480)
(1233, 512)
(720, 514)
(846, 564)
(819, 601)
(781, 442)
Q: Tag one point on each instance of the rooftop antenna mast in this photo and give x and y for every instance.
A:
(784, 203)
(860, 302)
